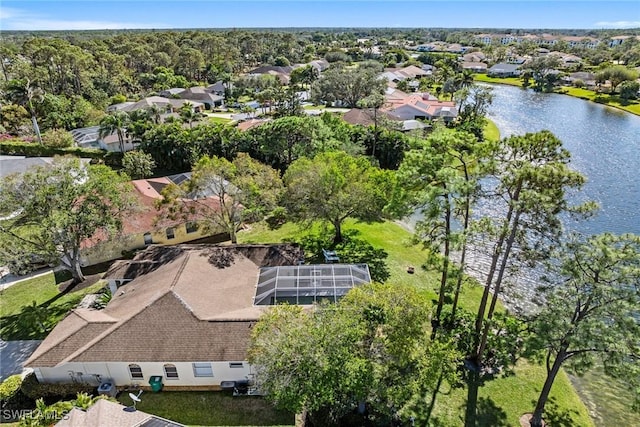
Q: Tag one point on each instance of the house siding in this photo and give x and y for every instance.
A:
(119, 373)
(113, 248)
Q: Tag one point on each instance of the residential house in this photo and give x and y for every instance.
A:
(144, 227)
(167, 105)
(484, 38)
(282, 73)
(250, 124)
(105, 413)
(10, 165)
(201, 95)
(172, 92)
(187, 318)
(89, 137)
(474, 57)
(219, 87)
(368, 116)
(320, 65)
(618, 40)
(422, 106)
(504, 70)
(476, 67)
(586, 42)
(399, 74)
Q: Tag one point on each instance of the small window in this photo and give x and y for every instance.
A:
(136, 372)
(202, 370)
(147, 239)
(171, 372)
(236, 365)
(171, 233)
(192, 227)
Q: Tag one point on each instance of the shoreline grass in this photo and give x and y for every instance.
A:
(612, 101)
(501, 401)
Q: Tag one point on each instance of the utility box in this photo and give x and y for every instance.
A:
(156, 383)
(107, 388)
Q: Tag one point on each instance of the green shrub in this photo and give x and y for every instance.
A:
(33, 389)
(10, 386)
(57, 138)
(138, 164)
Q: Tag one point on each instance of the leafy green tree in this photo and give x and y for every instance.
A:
(369, 349)
(533, 177)
(590, 311)
(59, 138)
(439, 177)
(14, 119)
(347, 85)
(473, 103)
(281, 141)
(171, 147)
(54, 210)
(616, 75)
(336, 186)
(629, 89)
(117, 123)
(138, 164)
(541, 69)
(223, 194)
(24, 93)
(188, 114)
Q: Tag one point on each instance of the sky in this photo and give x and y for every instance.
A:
(161, 14)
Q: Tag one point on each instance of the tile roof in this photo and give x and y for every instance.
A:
(194, 303)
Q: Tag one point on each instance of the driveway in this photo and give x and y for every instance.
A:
(13, 354)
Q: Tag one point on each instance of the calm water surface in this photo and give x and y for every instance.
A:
(604, 143)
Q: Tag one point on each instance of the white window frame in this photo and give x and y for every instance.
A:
(202, 366)
(137, 367)
(174, 368)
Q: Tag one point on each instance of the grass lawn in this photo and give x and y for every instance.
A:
(491, 131)
(210, 408)
(501, 401)
(219, 119)
(511, 81)
(632, 107)
(52, 306)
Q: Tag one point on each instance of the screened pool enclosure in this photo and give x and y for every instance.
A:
(308, 284)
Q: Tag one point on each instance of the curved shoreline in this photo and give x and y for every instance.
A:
(507, 83)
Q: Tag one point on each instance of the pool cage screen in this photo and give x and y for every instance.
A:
(308, 284)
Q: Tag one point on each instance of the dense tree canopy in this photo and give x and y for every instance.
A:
(222, 194)
(49, 212)
(334, 186)
(590, 310)
(369, 350)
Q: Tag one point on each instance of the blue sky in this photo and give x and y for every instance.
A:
(114, 14)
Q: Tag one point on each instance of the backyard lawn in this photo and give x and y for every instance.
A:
(31, 308)
(511, 81)
(202, 408)
(502, 401)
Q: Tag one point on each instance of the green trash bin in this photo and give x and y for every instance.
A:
(156, 383)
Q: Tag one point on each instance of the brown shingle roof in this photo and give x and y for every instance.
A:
(197, 304)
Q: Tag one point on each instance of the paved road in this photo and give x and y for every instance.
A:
(13, 354)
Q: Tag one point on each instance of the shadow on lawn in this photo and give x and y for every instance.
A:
(35, 321)
(556, 417)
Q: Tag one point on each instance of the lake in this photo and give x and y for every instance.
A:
(604, 143)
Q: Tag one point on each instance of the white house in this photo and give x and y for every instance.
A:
(186, 316)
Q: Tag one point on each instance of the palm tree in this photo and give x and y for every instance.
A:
(155, 113)
(188, 114)
(114, 123)
(22, 92)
